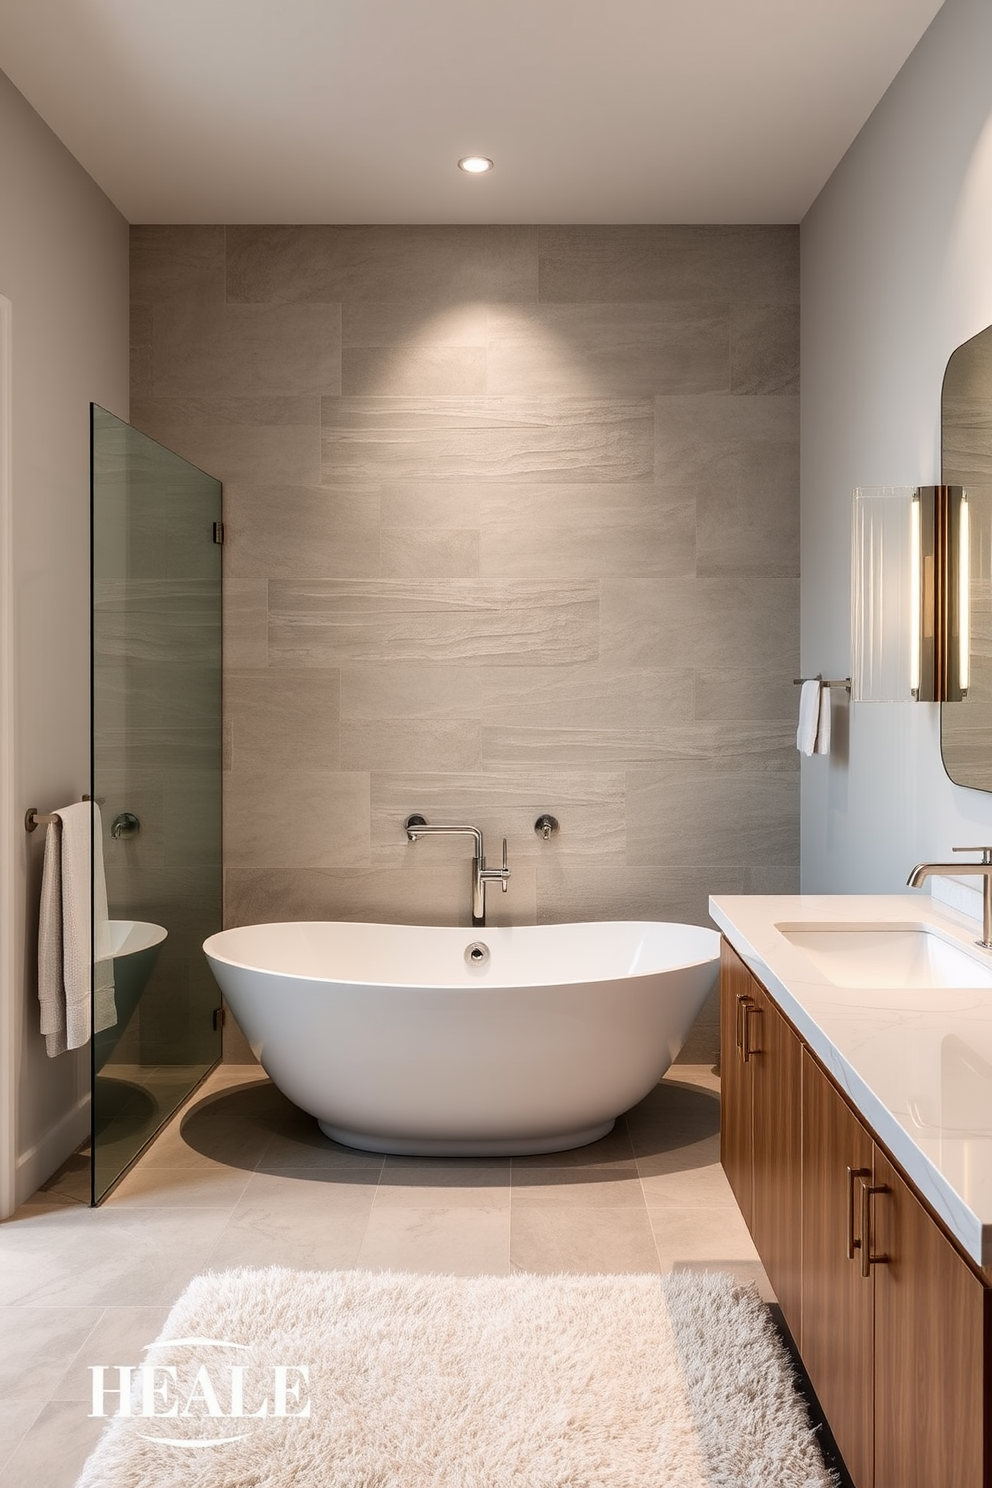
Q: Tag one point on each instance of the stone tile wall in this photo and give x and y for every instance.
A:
(512, 523)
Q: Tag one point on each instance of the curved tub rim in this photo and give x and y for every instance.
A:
(472, 933)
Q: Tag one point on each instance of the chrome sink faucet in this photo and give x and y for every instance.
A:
(984, 869)
(417, 826)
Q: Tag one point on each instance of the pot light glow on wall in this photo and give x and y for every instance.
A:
(910, 594)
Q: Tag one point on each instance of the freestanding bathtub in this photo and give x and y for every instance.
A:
(448, 1042)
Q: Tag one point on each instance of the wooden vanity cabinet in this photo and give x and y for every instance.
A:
(737, 989)
(837, 1343)
(900, 1358)
(932, 1316)
(759, 1139)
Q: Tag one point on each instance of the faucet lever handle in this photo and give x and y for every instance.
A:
(986, 852)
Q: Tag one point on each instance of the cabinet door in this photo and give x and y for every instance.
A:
(837, 1311)
(929, 1324)
(775, 1065)
(737, 988)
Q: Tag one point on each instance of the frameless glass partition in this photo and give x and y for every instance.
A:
(156, 780)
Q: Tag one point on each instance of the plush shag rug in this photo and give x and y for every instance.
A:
(447, 1382)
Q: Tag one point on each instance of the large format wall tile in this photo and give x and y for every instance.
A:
(249, 350)
(602, 351)
(587, 532)
(709, 818)
(324, 623)
(300, 818)
(757, 264)
(589, 805)
(516, 439)
(283, 531)
(271, 709)
(700, 623)
(329, 264)
(511, 529)
(272, 438)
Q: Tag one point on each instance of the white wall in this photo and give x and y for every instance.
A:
(64, 267)
(896, 272)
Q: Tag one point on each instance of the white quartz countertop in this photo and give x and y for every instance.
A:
(916, 1064)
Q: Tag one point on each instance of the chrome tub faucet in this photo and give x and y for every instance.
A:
(418, 826)
(982, 869)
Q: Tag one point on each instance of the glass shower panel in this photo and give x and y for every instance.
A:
(157, 761)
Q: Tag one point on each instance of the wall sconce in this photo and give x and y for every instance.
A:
(911, 633)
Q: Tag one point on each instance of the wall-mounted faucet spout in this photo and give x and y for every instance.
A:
(418, 826)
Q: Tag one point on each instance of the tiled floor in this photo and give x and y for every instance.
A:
(240, 1177)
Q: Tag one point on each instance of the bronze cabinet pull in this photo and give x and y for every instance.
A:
(749, 1008)
(742, 1004)
(868, 1190)
(852, 1242)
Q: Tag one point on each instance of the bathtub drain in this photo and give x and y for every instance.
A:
(477, 954)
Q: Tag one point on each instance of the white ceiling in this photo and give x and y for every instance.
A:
(357, 110)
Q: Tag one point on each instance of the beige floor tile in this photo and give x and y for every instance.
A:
(302, 1218)
(80, 1257)
(660, 1151)
(16, 1417)
(118, 1337)
(432, 1185)
(576, 1240)
(707, 1235)
(34, 1345)
(688, 1188)
(52, 1451)
(465, 1241)
(305, 1146)
(217, 1147)
(612, 1151)
(568, 1188)
(210, 1187)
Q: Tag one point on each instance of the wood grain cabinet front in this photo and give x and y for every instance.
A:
(932, 1318)
(837, 1343)
(893, 1322)
(760, 1067)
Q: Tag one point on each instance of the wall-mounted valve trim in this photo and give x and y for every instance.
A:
(547, 827)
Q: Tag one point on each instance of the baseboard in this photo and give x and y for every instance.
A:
(37, 1165)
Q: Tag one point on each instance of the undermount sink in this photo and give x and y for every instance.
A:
(887, 956)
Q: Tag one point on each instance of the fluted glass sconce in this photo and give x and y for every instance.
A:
(910, 594)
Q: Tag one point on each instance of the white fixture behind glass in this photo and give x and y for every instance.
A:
(910, 594)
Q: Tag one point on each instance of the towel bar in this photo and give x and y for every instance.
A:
(34, 818)
(844, 682)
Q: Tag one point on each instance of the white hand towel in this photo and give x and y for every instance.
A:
(67, 969)
(51, 987)
(822, 745)
(809, 716)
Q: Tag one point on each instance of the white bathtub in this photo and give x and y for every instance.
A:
(397, 1043)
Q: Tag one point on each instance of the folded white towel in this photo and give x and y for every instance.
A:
(67, 969)
(822, 745)
(809, 716)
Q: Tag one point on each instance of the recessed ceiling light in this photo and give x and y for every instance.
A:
(476, 165)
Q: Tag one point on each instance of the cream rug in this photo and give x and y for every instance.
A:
(446, 1382)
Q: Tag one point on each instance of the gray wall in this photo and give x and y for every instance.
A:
(896, 273)
(63, 265)
(512, 528)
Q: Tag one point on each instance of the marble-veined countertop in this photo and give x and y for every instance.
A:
(916, 1064)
